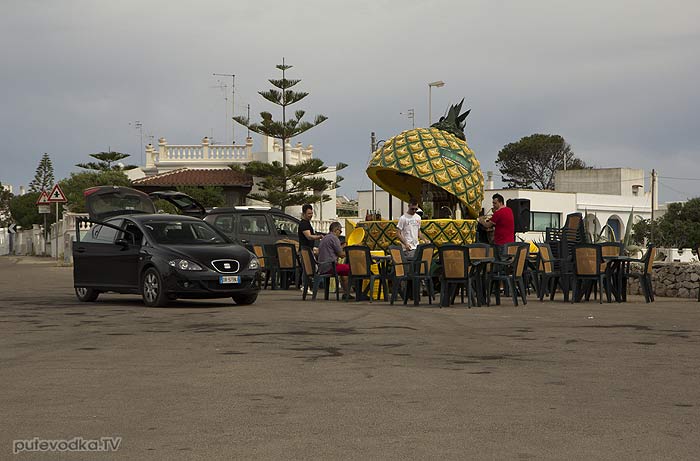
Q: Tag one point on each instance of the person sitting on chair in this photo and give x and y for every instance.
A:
(329, 250)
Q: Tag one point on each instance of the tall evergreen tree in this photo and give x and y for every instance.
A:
(285, 129)
(107, 162)
(43, 178)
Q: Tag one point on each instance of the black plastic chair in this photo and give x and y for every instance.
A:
(548, 276)
(588, 267)
(511, 272)
(644, 275)
(400, 274)
(287, 264)
(315, 274)
(266, 264)
(360, 261)
(481, 256)
(454, 260)
(420, 271)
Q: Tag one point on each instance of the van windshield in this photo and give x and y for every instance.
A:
(183, 233)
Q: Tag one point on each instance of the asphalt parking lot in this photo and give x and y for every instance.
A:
(288, 379)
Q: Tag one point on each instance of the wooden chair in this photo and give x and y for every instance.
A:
(512, 273)
(588, 265)
(265, 267)
(644, 275)
(315, 274)
(287, 264)
(360, 262)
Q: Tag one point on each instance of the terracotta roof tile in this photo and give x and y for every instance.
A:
(197, 177)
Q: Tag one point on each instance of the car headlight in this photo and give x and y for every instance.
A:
(185, 265)
(254, 263)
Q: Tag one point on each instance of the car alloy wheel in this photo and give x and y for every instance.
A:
(152, 289)
(86, 294)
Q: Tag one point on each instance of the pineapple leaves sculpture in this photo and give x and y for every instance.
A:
(437, 156)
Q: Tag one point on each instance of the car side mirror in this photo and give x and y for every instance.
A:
(121, 242)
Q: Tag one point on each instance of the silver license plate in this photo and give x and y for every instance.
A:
(229, 279)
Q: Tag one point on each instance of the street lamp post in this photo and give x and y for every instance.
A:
(374, 146)
(437, 84)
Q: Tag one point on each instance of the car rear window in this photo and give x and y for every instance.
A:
(183, 233)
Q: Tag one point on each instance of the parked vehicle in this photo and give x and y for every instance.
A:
(132, 249)
(251, 225)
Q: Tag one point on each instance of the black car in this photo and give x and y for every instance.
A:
(132, 249)
(251, 225)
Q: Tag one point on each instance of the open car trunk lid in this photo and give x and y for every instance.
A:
(103, 202)
(186, 204)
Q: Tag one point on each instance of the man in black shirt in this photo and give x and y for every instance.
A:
(307, 235)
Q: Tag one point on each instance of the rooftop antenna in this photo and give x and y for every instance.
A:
(223, 87)
(139, 126)
(233, 106)
(410, 113)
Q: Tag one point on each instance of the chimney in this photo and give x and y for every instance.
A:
(21, 190)
(489, 180)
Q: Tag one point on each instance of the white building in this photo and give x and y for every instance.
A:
(169, 157)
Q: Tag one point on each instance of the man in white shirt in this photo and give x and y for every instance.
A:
(409, 230)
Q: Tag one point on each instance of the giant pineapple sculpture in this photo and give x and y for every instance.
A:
(435, 160)
(438, 156)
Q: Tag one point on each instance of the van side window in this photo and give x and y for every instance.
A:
(285, 226)
(226, 224)
(254, 224)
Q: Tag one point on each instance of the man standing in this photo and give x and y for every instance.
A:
(502, 220)
(307, 236)
(329, 250)
(409, 229)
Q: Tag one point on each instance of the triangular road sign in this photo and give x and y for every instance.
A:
(57, 195)
(43, 198)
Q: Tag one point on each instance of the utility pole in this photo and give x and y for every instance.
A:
(653, 200)
(233, 102)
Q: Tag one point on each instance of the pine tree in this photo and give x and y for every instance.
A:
(107, 162)
(43, 178)
(287, 128)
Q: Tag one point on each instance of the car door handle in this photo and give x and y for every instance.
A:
(80, 249)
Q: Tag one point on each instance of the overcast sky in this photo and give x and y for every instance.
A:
(617, 79)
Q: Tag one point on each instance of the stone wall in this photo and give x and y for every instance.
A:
(676, 280)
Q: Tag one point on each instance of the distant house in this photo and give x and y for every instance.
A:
(236, 185)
